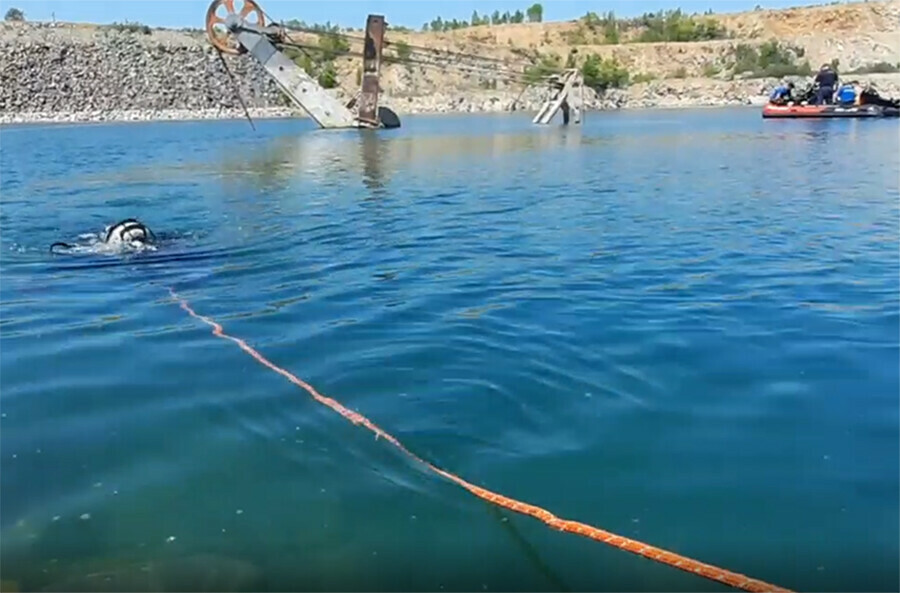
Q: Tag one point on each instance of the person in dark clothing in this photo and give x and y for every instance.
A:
(827, 80)
(870, 96)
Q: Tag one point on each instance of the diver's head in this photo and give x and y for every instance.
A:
(129, 231)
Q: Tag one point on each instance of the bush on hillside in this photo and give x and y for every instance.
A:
(674, 25)
(328, 76)
(14, 14)
(710, 70)
(877, 68)
(132, 28)
(642, 77)
(607, 25)
(402, 52)
(601, 74)
(332, 45)
(772, 59)
(547, 65)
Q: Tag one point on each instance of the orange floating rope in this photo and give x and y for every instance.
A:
(707, 571)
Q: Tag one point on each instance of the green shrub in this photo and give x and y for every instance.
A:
(642, 77)
(328, 76)
(607, 25)
(132, 28)
(746, 58)
(577, 37)
(602, 74)
(547, 64)
(877, 68)
(782, 70)
(674, 25)
(402, 51)
(332, 45)
(772, 59)
(680, 72)
(14, 14)
(611, 33)
(710, 70)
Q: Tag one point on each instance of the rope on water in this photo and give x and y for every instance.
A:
(701, 569)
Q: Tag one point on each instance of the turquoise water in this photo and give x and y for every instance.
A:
(680, 326)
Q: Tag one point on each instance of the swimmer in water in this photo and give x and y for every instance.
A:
(126, 233)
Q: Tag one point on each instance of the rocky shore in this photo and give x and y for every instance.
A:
(84, 73)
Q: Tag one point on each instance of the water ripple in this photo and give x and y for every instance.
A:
(679, 351)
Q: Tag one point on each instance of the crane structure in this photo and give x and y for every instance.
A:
(245, 31)
(243, 27)
(566, 95)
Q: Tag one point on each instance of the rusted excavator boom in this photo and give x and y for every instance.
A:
(245, 31)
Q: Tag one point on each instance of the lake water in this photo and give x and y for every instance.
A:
(679, 326)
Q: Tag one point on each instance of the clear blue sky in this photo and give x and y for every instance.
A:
(352, 13)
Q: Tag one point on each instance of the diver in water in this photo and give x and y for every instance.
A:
(126, 233)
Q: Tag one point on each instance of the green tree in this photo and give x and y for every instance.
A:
(602, 73)
(328, 76)
(535, 13)
(402, 50)
(611, 28)
(518, 17)
(495, 18)
(547, 65)
(14, 14)
(332, 45)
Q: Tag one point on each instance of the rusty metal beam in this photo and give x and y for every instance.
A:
(374, 45)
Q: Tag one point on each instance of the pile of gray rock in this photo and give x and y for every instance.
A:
(45, 71)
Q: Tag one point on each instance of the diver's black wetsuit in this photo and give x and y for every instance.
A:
(868, 97)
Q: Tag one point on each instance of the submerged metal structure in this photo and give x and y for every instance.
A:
(566, 95)
(243, 27)
(244, 31)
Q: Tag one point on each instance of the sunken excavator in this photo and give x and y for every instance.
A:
(242, 29)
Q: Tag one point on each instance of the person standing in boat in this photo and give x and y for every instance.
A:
(827, 80)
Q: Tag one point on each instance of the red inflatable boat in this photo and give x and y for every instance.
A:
(827, 111)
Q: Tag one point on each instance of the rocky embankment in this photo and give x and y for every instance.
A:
(66, 72)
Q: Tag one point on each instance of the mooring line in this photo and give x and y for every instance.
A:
(708, 571)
